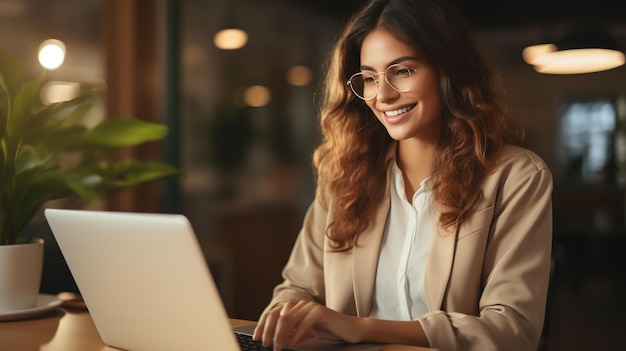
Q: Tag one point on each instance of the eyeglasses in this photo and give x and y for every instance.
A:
(365, 85)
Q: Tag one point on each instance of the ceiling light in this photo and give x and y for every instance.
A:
(532, 54)
(230, 36)
(230, 39)
(577, 61)
(51, 54)
(586, 48)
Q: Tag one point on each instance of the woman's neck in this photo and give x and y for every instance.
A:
(416, 160)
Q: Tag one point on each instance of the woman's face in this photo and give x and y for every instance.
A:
(413, 113)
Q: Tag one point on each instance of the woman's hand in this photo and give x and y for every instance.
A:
(290, 322)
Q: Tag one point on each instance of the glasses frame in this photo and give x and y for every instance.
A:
(375, 75)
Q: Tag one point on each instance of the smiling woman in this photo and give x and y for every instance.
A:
(408, 105)
(423, 191)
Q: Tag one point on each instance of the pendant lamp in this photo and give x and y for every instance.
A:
(585, 48)
(230, 36)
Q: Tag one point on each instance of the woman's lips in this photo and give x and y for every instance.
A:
(395, 116)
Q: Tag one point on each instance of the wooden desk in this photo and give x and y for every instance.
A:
(71, 330)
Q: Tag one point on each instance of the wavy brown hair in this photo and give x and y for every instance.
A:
(350, 162)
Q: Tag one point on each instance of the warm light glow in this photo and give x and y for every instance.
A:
(59, 91)
(532, 54)
(578, 61)
(257, 96)
(51, 54)
(230, 39)
(299, 76)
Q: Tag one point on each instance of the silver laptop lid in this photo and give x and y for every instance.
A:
(144, 279)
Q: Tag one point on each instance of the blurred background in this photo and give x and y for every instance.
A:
(243, 125)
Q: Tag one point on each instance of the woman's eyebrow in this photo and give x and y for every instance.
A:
(398, 60)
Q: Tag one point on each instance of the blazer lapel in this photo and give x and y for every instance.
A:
(365, 261)
(365, 255)
(439, 267)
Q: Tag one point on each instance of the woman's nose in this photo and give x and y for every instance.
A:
(385, 91)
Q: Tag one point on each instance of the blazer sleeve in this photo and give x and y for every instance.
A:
(514, 271)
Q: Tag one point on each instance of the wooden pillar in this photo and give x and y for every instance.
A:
(132, 36)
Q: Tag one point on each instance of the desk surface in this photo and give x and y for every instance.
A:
(74, 330)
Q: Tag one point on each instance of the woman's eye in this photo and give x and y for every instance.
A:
(369, 80)
(402, 71)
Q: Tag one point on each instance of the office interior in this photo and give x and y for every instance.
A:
(243, 125)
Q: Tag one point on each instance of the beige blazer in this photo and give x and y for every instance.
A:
(485, 283)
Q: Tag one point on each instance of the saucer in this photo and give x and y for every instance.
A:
(45, 303)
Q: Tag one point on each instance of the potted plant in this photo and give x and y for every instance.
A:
(47, 152)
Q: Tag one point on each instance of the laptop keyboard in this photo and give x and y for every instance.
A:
(247, 344)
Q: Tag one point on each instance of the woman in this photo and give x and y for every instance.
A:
(431, 225)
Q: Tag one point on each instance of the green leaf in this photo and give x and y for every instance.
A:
(48, 119)
(108, 135)
(66, 139)
(131, 173)
(20, 115)
(29, 159)
(123, 132)
(10, 73)
(3, 154)
(57, 184)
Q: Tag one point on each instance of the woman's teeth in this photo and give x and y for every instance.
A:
(399, 112)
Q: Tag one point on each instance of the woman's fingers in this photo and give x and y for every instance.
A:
(258, 330)
(266, 327)
(324, 323)
(293, 324)
(310, 316)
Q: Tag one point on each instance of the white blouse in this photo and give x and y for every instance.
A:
(399, 291)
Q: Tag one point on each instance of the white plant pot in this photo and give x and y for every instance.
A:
(20, 275)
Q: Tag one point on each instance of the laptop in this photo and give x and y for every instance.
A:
(146, 283)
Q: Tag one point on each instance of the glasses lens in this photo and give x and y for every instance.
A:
(363, 85)
(399, 77)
